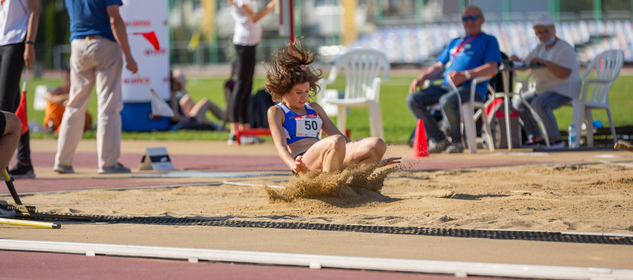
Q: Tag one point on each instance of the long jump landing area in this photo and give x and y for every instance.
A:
(327, 249)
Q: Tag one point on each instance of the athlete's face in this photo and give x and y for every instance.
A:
(297, 97)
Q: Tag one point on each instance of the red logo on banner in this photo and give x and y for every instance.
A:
(135, 80)
(139, 23)
(151, 37)
(310, 116)
(149, 52)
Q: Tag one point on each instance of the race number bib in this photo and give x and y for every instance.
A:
(308, 127)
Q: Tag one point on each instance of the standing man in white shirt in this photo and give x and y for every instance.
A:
(18, 29)
(556, 84)
(248, 33)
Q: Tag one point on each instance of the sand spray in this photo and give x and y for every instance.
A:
(352, 182)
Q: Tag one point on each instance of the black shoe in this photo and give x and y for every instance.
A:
(455, 148)
(22, 171)
(533, 145)
(436, 147)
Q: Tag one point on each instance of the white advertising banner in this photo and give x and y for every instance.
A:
(148, 35)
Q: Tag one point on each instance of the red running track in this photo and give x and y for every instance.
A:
(52, 266)
(261, 163)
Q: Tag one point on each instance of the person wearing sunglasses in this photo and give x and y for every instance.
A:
(474, 55)
(556, 83)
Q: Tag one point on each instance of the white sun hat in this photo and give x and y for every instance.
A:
(544, 20)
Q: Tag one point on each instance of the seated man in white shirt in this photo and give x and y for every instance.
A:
(556, 83)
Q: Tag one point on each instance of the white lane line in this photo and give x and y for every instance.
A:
(317, 261)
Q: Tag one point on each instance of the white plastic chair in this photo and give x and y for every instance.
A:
(607, 66)
(362, 87)
(469, 117)
(39, 103)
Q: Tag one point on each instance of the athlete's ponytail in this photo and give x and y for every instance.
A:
(291, 65)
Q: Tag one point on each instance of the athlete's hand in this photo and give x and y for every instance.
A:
(390, 161)
(300, 167)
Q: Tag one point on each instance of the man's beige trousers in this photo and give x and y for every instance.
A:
(93, 60)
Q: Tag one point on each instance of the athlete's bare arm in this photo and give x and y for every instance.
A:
(275, 121)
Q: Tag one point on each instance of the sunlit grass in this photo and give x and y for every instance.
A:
(397, 119)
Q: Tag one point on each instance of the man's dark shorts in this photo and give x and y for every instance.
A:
(3, 123)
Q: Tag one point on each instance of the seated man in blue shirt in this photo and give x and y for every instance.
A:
(475, 55)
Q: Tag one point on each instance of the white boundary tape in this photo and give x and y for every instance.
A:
(250, 185)
(617, 163)
(459, 269)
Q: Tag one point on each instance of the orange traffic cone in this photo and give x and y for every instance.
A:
(420, 146)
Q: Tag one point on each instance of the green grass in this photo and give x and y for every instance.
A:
(397, 119)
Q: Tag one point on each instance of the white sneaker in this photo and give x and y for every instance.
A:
(247, 140)
(117, 168)
(231, 140)
(7, 213)
(62, 169)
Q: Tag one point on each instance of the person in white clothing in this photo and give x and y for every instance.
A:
(557, 83)
(248, 33)
(18, 30)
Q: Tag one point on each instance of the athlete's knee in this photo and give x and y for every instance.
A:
(377, 145)
(336, 142)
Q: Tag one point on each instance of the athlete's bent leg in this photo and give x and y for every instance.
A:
(326, 155)
(366, 151)
(9, 138)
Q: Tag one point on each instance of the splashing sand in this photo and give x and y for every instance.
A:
(349, 183)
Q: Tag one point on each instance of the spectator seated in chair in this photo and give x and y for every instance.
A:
(56, 105)
(556, 83)
(475, 55)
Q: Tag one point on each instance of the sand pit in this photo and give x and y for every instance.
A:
(585, 198)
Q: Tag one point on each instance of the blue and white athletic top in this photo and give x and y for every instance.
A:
(299, 127)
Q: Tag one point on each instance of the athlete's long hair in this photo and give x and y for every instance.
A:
(289, 67)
